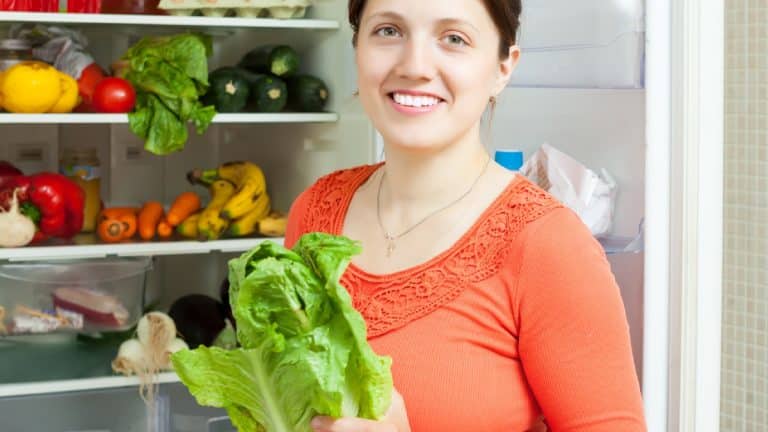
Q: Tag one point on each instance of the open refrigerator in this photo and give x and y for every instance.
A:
(580, 87)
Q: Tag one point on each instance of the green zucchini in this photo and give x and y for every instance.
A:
(229, 90)
(251, 77)
(278, 60)
(269, 94)
(307, 93)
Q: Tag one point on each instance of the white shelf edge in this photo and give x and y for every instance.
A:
(274, 118)
(40, 253)
(61, 386)
(167, 20)
(8, 118)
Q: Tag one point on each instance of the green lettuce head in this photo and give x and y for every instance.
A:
(303, 349)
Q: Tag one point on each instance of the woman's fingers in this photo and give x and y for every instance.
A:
(396, 420)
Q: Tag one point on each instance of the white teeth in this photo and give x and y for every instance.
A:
(415, 101)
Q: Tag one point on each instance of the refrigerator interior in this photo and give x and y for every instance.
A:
(597, 120)
(602, 129)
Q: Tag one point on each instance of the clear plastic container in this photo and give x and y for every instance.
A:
(581, 44)
(72, 296)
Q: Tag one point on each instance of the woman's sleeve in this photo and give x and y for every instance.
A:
(295, 227)
(573, 334)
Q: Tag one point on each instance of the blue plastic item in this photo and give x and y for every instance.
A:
(510, 159)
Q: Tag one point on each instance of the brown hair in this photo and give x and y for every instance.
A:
(504, 13)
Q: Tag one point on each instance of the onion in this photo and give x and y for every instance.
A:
(156, 331)
(15, 228)
(131, 358)
(175, 345)
(147, 354)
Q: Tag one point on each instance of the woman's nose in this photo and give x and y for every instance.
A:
(416, 61)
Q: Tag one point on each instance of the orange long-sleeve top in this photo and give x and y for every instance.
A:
(520, 318)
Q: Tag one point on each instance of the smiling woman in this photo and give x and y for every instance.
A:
(497, 306)
(416, 62)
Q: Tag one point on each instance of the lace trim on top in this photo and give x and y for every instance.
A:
(390, 301)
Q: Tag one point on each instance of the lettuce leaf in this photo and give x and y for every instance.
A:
(303, 349)
(169, 74)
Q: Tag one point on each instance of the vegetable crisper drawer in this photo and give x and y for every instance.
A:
(581, 44)
(72, 296)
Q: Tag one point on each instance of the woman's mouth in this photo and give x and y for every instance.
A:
(414, 103)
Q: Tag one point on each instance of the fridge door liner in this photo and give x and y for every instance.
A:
(582, 44)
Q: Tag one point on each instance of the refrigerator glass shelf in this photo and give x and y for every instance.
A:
(286, 117)
(144, 22)
(618, 245)
(57, 363)
(86, 246)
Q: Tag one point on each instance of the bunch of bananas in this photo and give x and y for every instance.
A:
(239, 204)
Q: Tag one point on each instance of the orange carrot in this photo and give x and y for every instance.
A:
(129, 223)
(149, 217)
(110, 230)
(184, 205)
(164, 229)
(116, 212)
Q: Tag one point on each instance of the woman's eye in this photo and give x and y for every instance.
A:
(455, 40)
(387, 32)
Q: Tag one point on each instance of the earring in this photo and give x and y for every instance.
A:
(356, 92)
(492, 101)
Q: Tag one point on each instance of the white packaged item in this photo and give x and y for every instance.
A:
(590, 195)
(581, 44)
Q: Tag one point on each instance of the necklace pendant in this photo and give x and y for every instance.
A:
(390, 246)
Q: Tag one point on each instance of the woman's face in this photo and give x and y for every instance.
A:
(427, 68)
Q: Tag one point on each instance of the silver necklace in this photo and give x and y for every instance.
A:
(390, 237)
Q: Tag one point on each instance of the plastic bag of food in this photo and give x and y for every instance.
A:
(591, 195)
(66, 50)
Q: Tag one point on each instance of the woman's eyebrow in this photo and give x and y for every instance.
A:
(460, 21)
(397, 17)
(384, 14)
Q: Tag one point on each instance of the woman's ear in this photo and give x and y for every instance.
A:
(506, 67)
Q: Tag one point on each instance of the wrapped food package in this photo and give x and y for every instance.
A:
(28, 320)
(96, 307)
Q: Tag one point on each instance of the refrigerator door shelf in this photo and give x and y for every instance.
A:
(584, 44)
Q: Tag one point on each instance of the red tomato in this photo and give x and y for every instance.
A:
(89, 77)
(114, 95)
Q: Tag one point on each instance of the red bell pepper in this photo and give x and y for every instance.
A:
(59, 200)
(8, 172)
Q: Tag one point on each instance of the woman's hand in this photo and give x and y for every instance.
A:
(396, 420)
